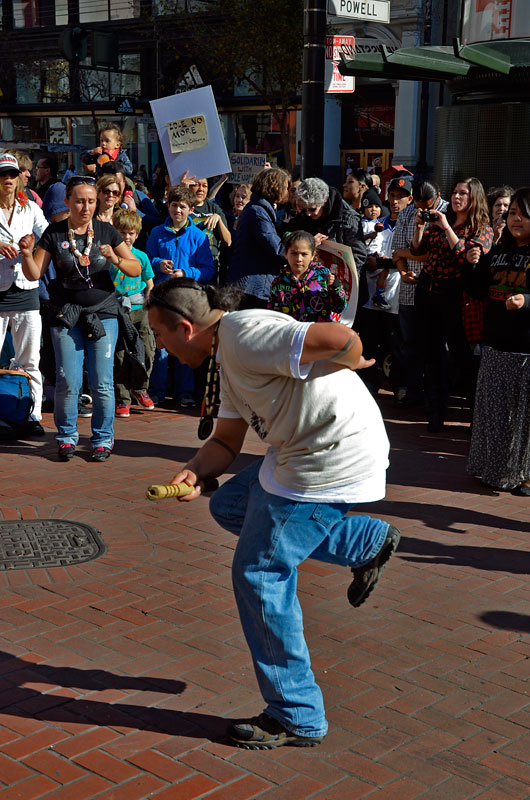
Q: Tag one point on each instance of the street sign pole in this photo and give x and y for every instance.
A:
(313, 88)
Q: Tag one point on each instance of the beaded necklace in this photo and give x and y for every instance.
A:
(84, 257)
(211, 392)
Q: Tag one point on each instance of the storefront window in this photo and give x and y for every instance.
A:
(104, 10)
(252, 132)
(167, 7)
(42, 82)
(104, 84)
(94, 85)
(26, 13)
(61, 12)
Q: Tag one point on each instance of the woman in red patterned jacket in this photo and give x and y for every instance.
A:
(447, 244)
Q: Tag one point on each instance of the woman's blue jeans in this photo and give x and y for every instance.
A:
(70, 347)
(275, 536)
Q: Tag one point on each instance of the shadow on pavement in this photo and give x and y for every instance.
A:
(507, 621)
(20, 700)
(486, 558)
(444, 518)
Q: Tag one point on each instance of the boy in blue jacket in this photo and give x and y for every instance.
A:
(178, 249)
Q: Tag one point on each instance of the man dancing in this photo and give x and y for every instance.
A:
(295, 384)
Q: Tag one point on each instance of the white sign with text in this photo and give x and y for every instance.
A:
(335, 82)
(245, 166)
(370, 10)
(187, 134)
(190, 133)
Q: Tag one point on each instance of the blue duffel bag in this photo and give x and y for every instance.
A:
(16, 401)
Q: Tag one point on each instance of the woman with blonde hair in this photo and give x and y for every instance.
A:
(26, 166)
(109, 194)
(239, 197)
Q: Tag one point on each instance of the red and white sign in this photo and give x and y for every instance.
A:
(487, 20)
(335, 82)
(339, 259)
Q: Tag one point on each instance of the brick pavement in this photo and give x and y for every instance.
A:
(116, 675)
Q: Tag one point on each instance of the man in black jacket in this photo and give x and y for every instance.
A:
(323, 213)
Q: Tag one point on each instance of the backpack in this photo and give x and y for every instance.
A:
(16, 400)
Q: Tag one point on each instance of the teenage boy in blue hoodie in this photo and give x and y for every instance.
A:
(178, 249)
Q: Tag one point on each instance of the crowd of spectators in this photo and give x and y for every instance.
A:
(443, 287)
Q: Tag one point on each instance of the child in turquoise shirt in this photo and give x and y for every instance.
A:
(128, 386)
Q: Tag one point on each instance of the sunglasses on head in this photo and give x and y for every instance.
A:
(77, 180)
(113, 192)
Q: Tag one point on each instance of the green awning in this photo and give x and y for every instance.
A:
(408, 64)
(431, 59)
(438, 63)
(485, 56)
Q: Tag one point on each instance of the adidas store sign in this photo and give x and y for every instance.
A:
(125, 105)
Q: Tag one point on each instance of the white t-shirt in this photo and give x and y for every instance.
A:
(374, 245)
(328, 441)
(26, 219)
(392, 282)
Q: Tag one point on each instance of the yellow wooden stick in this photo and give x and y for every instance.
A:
(159, 491)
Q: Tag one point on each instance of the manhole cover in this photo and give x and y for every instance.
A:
(29, 544)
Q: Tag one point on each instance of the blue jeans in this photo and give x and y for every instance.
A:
(275, 536)
(70, 347)
(183, 380)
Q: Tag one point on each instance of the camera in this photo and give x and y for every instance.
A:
(427, 216)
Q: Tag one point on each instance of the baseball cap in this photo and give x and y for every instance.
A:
(402, 184)
(371, 198)
(8, 163)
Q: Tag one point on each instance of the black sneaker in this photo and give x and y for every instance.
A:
(265, 733)
(66, 452)
(366, 577)
(100, 453)
(30, 429)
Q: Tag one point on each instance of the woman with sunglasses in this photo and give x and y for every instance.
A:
(19, 294)
(82, 250)
(108, 195)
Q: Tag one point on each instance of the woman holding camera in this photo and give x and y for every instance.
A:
(500, 447)
(450, 245)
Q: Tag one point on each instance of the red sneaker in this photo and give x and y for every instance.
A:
(143, 399)
(123, 409)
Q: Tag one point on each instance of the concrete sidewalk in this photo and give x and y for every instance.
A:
(116, 675)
